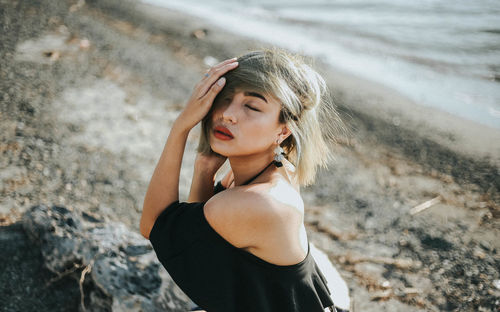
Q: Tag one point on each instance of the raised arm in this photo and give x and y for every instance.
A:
(163, 188)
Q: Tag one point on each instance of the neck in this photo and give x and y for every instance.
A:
(244, 168)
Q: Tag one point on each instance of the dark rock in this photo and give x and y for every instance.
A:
(436, 243)
(123, 267)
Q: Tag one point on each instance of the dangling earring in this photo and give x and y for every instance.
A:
(278, 155)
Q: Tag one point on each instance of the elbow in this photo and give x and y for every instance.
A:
(145, 227)
(144, 232)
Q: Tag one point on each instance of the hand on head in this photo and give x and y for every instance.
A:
(204, 93)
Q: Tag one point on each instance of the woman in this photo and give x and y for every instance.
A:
(242, 246)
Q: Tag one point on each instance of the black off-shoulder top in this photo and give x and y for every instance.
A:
(220, 277)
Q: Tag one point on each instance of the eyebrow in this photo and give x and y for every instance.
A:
(255, 94)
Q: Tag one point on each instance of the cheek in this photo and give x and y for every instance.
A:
(259, 132)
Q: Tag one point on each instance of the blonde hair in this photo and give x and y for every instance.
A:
(307, 108)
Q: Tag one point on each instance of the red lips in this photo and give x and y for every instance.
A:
(223, 130)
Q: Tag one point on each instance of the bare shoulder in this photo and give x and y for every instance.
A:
(245, 215)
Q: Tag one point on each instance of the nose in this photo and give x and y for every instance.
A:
(229, 112)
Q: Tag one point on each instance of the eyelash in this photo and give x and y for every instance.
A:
(252, 108)
(227, 100)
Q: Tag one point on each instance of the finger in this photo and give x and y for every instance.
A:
(213, 69)
(233, 59)
(205, 85)
(225, 62)
(209, 97)
(210, 72)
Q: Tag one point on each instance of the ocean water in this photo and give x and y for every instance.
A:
(442, 54)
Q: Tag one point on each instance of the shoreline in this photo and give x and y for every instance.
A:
(431, 137)
(257, 24)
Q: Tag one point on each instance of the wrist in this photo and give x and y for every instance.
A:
(180, 127)
(210, 164)
(204, 171)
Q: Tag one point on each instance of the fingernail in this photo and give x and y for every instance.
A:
(221, 81)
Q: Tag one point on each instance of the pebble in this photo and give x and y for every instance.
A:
(479, 254)
(496, 283)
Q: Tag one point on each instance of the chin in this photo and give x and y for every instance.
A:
(220, 152)
(224, 151)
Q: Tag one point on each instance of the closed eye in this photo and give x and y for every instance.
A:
(252, 108)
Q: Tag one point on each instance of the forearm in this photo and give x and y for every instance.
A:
(163, 188)
(202, 186)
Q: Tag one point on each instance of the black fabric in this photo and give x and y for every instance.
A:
(220, 277)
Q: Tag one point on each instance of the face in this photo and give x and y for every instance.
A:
(252, 119)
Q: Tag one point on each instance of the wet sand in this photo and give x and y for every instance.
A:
(89, 93)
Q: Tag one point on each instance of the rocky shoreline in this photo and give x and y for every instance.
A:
(88, 91)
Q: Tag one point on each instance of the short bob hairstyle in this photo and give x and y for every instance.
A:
(307, 108)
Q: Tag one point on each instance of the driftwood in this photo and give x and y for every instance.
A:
(400, 263)
(425, 205)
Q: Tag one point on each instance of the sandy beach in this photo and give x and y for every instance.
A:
(408, 213)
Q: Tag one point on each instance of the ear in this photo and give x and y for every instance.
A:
(285, 132)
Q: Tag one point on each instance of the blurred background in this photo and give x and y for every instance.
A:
(442, 55)
(408, 212)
